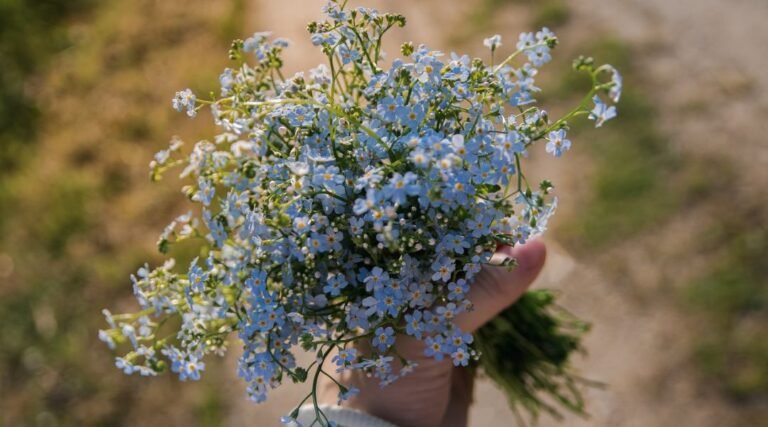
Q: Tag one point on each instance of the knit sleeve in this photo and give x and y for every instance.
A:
(342, 416)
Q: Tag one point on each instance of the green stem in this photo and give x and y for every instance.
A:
(514, 54)
(318, 413)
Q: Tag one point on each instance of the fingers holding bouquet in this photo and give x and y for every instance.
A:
(438, 393)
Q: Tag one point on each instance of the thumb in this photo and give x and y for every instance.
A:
(496, 288)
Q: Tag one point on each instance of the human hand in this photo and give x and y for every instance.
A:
(436, 393)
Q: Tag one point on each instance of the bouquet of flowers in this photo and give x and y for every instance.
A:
(355, 203)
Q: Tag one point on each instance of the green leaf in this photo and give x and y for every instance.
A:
(488, 188)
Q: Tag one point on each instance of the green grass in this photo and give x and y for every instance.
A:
(549, 13)
(631, 180)
(30, 33)
(638, 181)
(633, 165)
(211, 411)
(64, 214)
(732, 300)
(78, 218)
(232, 25)
(544, 13)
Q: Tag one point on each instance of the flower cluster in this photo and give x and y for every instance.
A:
(349, 203)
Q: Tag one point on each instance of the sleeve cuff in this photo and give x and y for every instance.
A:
(342, 416)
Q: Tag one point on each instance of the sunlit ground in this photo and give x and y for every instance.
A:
(660, 241)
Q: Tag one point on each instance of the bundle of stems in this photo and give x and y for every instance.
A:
(527, 350)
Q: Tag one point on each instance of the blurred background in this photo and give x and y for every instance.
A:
(661, 241)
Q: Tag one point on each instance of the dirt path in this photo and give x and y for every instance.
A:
(707, 60)
(711, 90)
